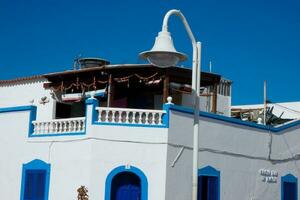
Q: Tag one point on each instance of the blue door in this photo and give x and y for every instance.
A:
(35, 185)
(208, 188)
(289, 191)
(126, 186)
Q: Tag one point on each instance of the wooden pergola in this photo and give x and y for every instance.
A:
(128, 80)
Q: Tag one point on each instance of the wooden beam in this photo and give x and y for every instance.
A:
(110, 95)
(214, 98)
(166, 88)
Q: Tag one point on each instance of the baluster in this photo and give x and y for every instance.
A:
(38, 126)
(82, 125)
(55, 127)
(126, 117)
(139, 117)
(133, 117)
(160, 118)
(43, 127)
(99, 115)
(61, 127)
(115, 117)
(48, 124)
(106, 115)
(76, 126)
(147, 118)
(71, 125)
(34, 128)
(151, 118)
(67, 126)
(143, 117)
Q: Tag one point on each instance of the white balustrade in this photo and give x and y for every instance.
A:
(56, 126)
(130, 116)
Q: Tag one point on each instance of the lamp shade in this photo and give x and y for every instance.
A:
(163, 53)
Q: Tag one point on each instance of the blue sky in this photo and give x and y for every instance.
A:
(247, 41)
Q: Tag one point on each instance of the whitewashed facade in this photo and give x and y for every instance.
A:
(245, 160)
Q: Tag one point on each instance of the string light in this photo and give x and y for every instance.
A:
(85, 85)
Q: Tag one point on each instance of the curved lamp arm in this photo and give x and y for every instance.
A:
(196, 71)
(185, 23)
(196, 48)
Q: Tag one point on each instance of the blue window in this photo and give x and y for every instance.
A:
(289, 187)
(35, 180)
(208, 184)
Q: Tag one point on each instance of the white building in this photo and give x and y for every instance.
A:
(126, 141)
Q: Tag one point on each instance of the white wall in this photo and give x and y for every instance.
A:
(27, 93)
(223, 103)
(81, 160)
(238, 152)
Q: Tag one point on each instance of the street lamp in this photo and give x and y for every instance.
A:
(164, 54)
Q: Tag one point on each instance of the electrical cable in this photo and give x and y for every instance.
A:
(215, 151)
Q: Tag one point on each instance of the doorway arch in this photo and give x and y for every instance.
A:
(126, 183)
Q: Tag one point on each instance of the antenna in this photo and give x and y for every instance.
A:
(265, 102)
(210, 66)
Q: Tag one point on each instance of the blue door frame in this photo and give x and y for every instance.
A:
(123, 169)
(36, 170)
(211, 176)
(289, 187)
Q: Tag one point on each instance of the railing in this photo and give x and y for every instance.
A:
(59, 126)
(130, 116)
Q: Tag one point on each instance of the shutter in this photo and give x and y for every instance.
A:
(40, 184)
(29, 185)
(289, 191)
(35, 184)
(212, 188)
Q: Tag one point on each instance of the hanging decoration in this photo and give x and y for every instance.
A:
(88, 86)
(84, 86)
(141, 78)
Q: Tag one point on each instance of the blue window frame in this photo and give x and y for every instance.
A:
(208, 184)
(35, 180)
(289, 187)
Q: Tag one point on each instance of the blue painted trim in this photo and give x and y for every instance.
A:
(289, 178)
(59, 134)
(32, 117)
(36, 165)
(188, 110)
(166, 116)
(101, 94)
(136, 171)
(210, 171)
(16, 109)
(94, 103)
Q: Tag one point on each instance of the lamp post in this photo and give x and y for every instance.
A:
(164, 54)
